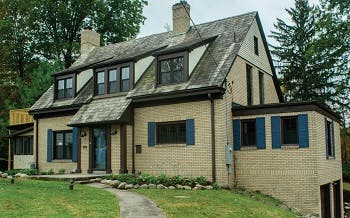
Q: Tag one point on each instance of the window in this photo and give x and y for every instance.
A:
(256, 45)
(249, 84)
(64, 88)
(173, 68)
(248, 133)
(113, 79)
(330, 147)
(261, 88)
(23, 145)
(174, 132)
(289, 130)
(62, 148)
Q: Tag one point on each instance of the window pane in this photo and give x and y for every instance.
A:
(58, 148)
(125, 85)
(165, 78)
(100, 77)
(125, 73)
(248, 133)
(112, 75)
(61, 84)
(290, 134)
(171, 133)
(172, 70)
(101, 89)
(113, 87)
(69, 93)
(69, 83)
(329, 143)
(68, 146)
(165, 66)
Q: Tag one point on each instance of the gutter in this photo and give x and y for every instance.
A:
(213, 158)
(37, 143)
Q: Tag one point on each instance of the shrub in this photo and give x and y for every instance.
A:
(50, 172)
(125, 177)
(24, 171)
(346, 171)
(146, 179)
(202, 180)
(43, 173)
(61, 171)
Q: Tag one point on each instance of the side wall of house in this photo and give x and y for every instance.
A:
(24, 161)
(291, 174)
(56, 124)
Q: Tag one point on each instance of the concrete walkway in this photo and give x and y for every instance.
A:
(132, 204)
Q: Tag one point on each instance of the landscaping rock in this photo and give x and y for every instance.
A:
(208, 187)
(103, 181)
(98, 179)
(161, 186)
(122, 185)
(115, 183)
(195, 188)
(199, 187)
(186, 187)
(171, 187)
(136, 186)
(4, 175)
(18, 174)
(152, 186)
(144, 186)
(179, 187)
(24, 175)
(129, 186)
(110, 182)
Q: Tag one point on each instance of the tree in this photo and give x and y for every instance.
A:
(58, 23)
(307, 65)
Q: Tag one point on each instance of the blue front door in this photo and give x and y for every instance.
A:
(100, 148)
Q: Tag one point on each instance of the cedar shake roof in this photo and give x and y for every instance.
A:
(224, 36)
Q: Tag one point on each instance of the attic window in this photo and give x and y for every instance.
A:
(114, 79)
(172, 68)
(256, 45)
(65, 87)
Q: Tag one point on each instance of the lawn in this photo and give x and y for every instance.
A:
(31, 198)
(214, 203)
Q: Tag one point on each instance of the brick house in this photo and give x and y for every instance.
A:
(178, 102)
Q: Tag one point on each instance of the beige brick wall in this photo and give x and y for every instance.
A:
(56, 124)
(179, 159)
(292, 175)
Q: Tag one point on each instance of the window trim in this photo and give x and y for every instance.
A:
(169, 123)
(256, 45)
(159, 58)
(106, 78)
(282, 132)
(74, 85)
(261, 88)
(241, 132)
(54, 144)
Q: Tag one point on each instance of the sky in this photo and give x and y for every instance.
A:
(159, 12)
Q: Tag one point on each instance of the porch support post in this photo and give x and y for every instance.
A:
(79, 152)
(123, 151)
(108, 167)
(91, 156)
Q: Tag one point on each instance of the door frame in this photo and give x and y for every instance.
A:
(91, 149)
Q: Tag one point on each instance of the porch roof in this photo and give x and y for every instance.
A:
(101, 111)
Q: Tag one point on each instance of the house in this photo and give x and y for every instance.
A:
(21, 132)
(195, 101)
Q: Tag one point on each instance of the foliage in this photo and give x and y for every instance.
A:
(61, 171)
(213, 203)
(33, 198)
(25, 171)
(346, 171)
(50, 172)
(311, 62)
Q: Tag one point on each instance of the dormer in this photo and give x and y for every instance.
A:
(65, 87)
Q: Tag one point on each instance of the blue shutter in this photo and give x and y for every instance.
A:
(303, 131)
(333, 141)
(75, 144)
(151, 134)
(260, 133)
(326, 135)
(49, 145)
(236, 134)
(190, 132)
(276, 131)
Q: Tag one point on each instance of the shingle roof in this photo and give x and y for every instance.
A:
(101, 110)
(226, 37)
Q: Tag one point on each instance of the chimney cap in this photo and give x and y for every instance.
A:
(181, 3)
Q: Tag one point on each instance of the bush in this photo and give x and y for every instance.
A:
(50, 172)
(61, 171)
(346, 171)
(24, 171)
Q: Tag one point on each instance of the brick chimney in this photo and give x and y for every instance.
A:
(181, 18)
(89, 40)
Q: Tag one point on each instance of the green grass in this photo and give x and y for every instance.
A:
(31, 198)
(214, 203)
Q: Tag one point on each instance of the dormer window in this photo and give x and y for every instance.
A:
(114, 79)
(65, 87)
(173, 68)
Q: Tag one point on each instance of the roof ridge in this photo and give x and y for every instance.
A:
(227, 18)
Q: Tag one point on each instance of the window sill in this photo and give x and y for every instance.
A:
(23, 154)
(170, 145)
(111, 95)
(248, 148)
(62, 161)
(289, 146)
(331, 158)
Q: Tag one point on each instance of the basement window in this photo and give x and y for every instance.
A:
(173, 68)
(171, 132)
(289, 130)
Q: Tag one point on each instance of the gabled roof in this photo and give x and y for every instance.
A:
(223, 38)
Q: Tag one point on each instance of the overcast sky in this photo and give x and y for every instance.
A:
(159, 14)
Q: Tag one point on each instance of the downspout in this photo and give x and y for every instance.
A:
(213, 159)
(37, 143)
(9, 156)
(133, 144)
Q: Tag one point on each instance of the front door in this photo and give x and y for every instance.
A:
(100, 149)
